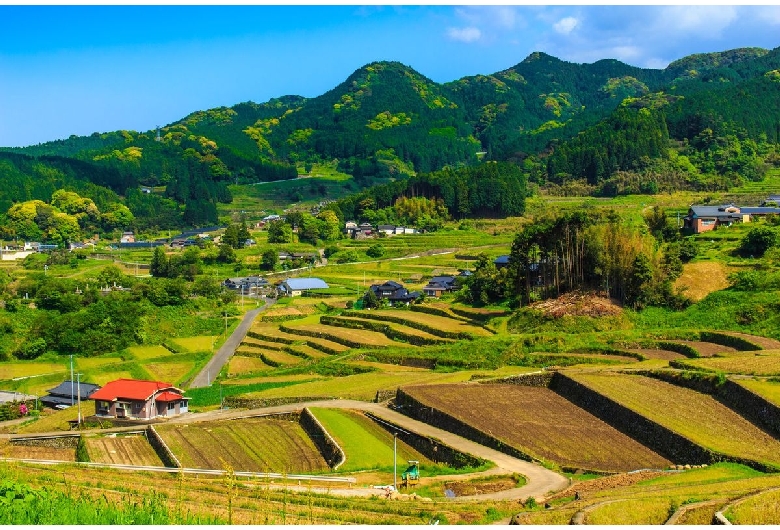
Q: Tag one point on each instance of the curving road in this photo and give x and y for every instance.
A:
(210, 372)
(541, 481)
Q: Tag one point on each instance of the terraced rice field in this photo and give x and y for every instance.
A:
(26, 369)
(366, 445)
(752, 364)
(195, 344)
(698, 417)
(540, 423)
(450, 325)
(364, 338)
(240, 365)
(769, 390)
(707, 349)
(131, 449)
(143, 353)
(665, 355)
(281, 358)
(250, 444)
(361, 386)
(757, 509)
(169, 371)
(271, 331)
(406, 330)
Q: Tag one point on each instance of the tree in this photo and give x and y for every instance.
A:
(226, 254)
(376, 251)
(269, 259)
(370, 300)
(279, 232)
(160, 265)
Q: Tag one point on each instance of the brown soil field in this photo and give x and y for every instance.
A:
(250, 444)
(588, 487)
(665, 355)
(542, 424)
(133, 450)
(698, 417)
(39, 453)
(480, 486)
(706, 349)
(764, 342)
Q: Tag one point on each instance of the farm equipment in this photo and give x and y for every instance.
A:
(411, 476)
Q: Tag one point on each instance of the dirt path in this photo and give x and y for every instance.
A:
(212, 368)
(541, 481)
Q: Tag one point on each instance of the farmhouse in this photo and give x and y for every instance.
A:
(138, 400)
(501, 261)
(298, 286)
(440, 284)
(67, 393)
(705, 218)
(246, 285)
(394, 293)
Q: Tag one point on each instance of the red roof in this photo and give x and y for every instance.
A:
(168, 396)
(131, 389)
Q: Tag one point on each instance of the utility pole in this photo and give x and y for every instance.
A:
(78, 391)
(71, 380)
(395, 461)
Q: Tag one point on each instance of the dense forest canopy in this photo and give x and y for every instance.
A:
(605, 128)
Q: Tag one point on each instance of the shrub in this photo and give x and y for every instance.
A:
(757, 242)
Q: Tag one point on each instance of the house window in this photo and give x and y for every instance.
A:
(707, 222)
(171, 405)
(136, 408)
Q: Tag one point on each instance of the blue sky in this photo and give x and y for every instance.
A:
(82, 69)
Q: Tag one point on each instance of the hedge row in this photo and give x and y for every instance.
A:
(385, 329)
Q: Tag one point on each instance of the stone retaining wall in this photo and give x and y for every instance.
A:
(431, 448)
(235, 402)
(658, 438)
(66, 441)
(161, 448)
(328, 447)
(406, 404)
(753, 407)
(535, 379)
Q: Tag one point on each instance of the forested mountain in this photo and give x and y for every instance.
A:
(706, 121)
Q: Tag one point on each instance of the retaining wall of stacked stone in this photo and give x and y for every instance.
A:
(328, 447)
(431, 448)
(161, 448)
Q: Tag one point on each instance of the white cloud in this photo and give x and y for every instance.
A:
(707, 21)
(566, 25)
(469, 34)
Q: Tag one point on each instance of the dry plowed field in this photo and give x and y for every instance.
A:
(665, 355)
(706, 349)
(540, 423)
(250, 444)
(698, 417)
(132, 450)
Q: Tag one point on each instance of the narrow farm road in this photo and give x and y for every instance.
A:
(212, 368)
(541, 481)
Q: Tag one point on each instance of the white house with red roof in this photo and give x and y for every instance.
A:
(136, 399)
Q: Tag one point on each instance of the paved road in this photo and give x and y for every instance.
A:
(212, 368)
(541, 481)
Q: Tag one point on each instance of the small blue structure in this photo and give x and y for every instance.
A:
(297, 286)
